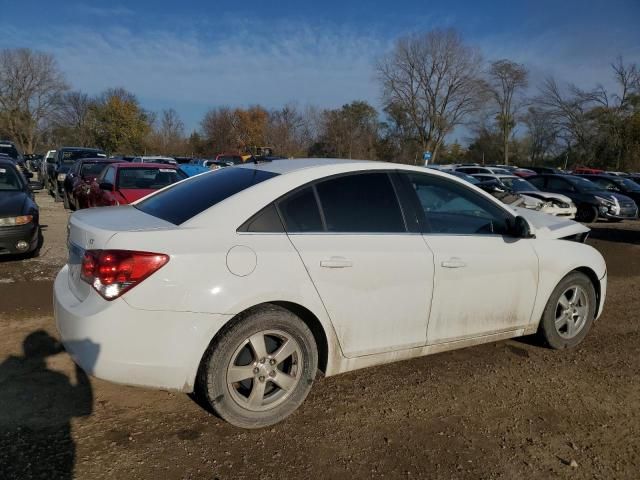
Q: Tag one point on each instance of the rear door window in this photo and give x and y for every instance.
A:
(364, 202)
(187, 199)
(300, 212)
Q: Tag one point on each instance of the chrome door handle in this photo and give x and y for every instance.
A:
(453, 263)
(336, 262)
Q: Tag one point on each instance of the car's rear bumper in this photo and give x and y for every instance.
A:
(115, 342)
(10, 236)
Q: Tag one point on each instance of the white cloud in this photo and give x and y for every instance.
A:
(193, 73)
(242, 62)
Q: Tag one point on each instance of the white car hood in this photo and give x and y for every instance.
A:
(549, 196)
(549, 226)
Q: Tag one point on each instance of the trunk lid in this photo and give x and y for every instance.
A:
(91, 229)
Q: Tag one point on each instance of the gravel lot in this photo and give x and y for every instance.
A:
(507, 410)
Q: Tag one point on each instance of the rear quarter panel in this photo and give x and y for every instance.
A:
(198, 277)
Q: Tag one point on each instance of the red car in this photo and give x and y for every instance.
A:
(587, 171)
(524, 172)
(77, 183)
(124, 183)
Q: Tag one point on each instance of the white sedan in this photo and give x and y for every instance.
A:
(243, 283)
(533, 197)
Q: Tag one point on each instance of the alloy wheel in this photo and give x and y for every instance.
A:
(264, 370)
(571, 312)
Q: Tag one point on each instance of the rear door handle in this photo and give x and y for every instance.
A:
(336, 262)
(453, 263)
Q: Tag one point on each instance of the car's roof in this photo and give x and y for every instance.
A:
(4, 161)
(98, 160)
(86, 149)
(144, 165)
(284, 166)
(496, 175)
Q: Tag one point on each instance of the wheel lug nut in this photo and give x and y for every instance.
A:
(256, 370)
(272, 361)
(272, 373)
(262, 360)
(261, 378)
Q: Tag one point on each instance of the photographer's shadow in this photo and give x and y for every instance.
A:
(36, 408)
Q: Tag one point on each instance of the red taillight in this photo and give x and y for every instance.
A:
(113, 272)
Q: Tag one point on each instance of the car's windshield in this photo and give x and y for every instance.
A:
(148, 178)
(10, 180)
(193, 196)
(9, 150)
(629, 185)
(230, 158)
(583, 184)
(518, 184)
(92, 169)
(468, 178)
(70, 156)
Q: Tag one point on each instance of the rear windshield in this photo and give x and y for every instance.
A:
(9, 149)
(148, 178)
(70, 156)
(92, 169)
(195, 195)
(9, 179)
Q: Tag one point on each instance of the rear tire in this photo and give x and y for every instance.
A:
(65, 199)
(587, 214)
(569, 313)
(259, 370)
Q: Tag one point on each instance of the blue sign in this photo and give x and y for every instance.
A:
(426, 156)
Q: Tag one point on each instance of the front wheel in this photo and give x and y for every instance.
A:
(569, 313)
(260, 370)
(587, 214)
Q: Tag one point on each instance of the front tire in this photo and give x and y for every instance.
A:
(587, 214)
(569, 313)
(259, 371)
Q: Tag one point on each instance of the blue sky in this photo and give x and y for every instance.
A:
(195, 55)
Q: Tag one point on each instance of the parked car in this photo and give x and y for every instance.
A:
(490, 170)
(234, 158)
(155, 159)
(48, 159)
(77, 184)
(65, 158)
(202, 165)
(523, 172)
(589, 170)
(590, 199)
(20, 231)
(618, 184)
(124, 183)
(534, 198)
(10, 150)
(547, 170)
(242, 283)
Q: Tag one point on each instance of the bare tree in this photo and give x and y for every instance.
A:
(505, 80)
(171, 132)
(542, 134)
(287, 131)
(435, 79)
(31, 88)
(72, 120)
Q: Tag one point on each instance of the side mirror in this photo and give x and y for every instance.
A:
(106, 186)
(521, 228)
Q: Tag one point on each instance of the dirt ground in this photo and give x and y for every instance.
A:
(507, 410)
